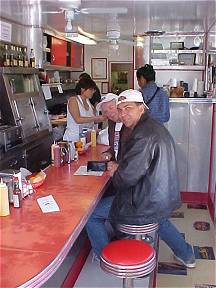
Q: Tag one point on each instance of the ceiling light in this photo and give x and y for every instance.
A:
(81, 39)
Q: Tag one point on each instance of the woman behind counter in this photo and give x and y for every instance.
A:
(80, 112)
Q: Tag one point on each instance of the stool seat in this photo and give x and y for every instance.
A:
(128, 259)
(127, 252)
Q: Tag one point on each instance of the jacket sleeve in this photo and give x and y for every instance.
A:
(134, 164)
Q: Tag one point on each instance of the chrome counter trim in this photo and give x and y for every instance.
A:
(193, 100)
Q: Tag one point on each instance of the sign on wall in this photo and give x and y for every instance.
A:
(5, 31)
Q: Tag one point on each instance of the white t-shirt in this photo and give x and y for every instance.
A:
(73, 129)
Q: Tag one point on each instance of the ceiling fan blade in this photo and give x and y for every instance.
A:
(104, 10)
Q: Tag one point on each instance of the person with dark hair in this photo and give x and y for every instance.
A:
(80, 112)
(96, 97)
(156, 98)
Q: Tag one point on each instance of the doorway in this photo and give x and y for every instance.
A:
(120, 76)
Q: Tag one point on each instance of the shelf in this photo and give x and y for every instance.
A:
(60, 68)
(180, 67)
(175, 51)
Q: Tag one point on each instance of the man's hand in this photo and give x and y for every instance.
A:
(112, 167)
(106, 156)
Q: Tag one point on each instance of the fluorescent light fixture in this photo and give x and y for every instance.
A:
(81, 39)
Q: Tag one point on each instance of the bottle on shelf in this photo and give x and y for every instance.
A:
(15, 56)
(4, 201)
(17, 194)
(19, 57)
(12, 56)
(25, 58)
(32, 58)
(6, 56)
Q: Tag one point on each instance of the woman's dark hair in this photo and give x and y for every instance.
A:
(84, 75)
(85, 83)
(147, 72)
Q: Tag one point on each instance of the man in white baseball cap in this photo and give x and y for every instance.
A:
(145, 181)
(131, 96)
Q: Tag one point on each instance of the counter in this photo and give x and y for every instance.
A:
(190, 124)
(34, 244)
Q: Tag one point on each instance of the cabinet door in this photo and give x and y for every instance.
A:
(41, 113)
(58, 51)
(23, 108)
(76, 55)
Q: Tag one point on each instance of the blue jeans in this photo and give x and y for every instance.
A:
(98, 235)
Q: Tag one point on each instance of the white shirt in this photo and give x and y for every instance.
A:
(73, 129)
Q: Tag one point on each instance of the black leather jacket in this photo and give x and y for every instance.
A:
(146, 181)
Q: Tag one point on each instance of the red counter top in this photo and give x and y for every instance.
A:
(34, 244)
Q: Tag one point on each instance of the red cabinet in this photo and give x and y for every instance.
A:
(58, 51)
(76, 55)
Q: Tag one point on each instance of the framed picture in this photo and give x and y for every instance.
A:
(104, 87)
(99, 68)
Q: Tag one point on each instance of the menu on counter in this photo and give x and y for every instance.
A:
(82, 171)
(48, 204)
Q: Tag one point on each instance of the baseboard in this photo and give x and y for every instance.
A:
(194, 197)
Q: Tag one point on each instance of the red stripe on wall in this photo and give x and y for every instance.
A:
(194, 197)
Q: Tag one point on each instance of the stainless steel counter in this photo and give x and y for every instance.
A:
(190, 125)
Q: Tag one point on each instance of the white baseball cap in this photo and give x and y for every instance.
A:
(106, 98)
(131, 96)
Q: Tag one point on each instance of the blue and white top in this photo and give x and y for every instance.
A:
(159, 106)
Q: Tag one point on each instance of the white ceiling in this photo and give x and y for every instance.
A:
(167, 15)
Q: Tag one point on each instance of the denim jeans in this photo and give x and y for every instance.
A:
(98, 235)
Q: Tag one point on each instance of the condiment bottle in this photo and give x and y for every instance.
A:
(17, 195)
(52, 153)
(93, 138)
(57, 155)
(4, 201)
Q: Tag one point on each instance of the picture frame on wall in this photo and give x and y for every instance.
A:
(104, 87)
(99, 68)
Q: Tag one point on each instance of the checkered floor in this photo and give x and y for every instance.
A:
(204, 275)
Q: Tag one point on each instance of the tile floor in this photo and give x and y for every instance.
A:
(203, 276)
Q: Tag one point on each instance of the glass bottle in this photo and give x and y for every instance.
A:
(17, 194)
(32, 58)
(15, 56)
(20, 57)
(25, 58)
(12, 57)
(6, 56)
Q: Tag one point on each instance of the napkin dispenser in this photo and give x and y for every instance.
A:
(96, 166)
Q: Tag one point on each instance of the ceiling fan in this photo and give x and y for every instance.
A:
(113, 34)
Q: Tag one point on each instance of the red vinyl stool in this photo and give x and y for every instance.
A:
(128, 259)
(140, 231)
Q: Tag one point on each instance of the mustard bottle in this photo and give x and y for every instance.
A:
(93, 138)
(4, 201)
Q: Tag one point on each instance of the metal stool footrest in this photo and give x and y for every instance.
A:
(134, 229)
